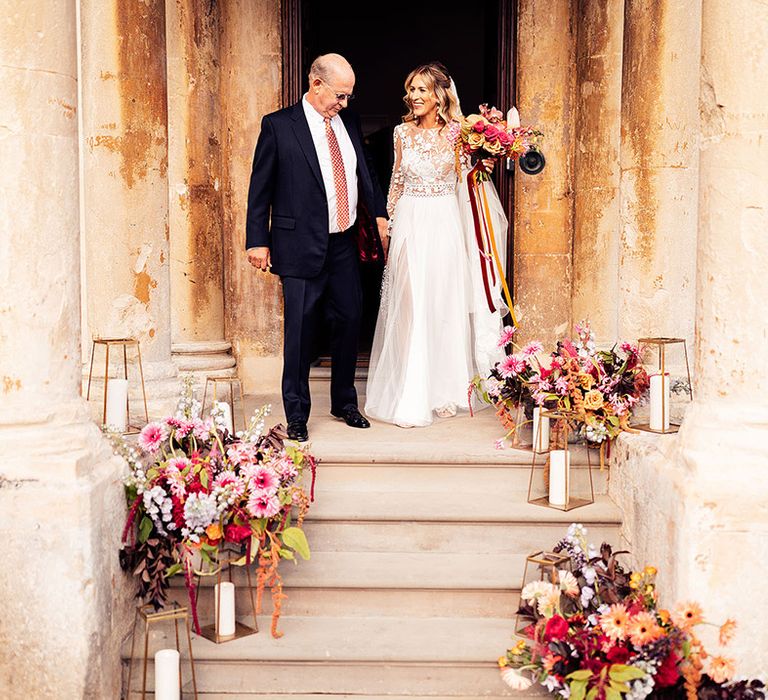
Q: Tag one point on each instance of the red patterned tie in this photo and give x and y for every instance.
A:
(339, 178)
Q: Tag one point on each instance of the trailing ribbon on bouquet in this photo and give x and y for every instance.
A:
(486, 240)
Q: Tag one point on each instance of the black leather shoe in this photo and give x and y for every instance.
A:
(297, 430)
(352, 417)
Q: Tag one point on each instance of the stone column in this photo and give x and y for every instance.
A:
(659, 168)
(65, 601)
(250, 88)
(193, 32)
(544, 203)
(597, 172)
(724, 439)
(125, 167)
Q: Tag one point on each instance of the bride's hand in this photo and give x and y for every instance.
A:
(489, 164)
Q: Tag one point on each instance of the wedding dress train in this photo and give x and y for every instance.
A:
(434, 332)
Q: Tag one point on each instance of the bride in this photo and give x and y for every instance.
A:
(434, 332)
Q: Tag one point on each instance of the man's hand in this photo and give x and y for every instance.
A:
(383, 227)
(259, 258)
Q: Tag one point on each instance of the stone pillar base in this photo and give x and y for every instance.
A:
(204, 358)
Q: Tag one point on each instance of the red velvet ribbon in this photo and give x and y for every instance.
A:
(481, 246)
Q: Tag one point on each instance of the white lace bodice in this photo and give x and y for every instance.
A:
(425, 164)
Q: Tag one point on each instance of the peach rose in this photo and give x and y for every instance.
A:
(593, 400)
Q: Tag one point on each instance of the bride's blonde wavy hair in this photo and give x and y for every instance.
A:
(436, 77)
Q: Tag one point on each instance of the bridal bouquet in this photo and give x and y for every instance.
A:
(597, 387)
(598, 632)
(489, 135)
(195, 489)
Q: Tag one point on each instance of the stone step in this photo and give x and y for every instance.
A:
(456, 506)
(437, 657)
(487, 478)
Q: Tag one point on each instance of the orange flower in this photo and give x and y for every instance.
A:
(663, 616)
(687, 615)
(593, 400)
(643, 629)
(721, 669)
(213, 531)
(614, 622)
(727, 630)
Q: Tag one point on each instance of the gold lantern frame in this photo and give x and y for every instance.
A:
(561, 419)
(661, 343)
(232, 382)
(545, 561)
(174, 613)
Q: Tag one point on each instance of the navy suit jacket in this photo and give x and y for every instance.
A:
(287, 205)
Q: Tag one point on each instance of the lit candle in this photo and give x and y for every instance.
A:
(117, 404)
(167, 682)
(540, 440)
(559, 463)
(224, 594)
(513, 118)
(659, 395)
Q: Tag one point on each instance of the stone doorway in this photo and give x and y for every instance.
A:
(383, 42)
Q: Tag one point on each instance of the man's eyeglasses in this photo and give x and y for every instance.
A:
(340, 96)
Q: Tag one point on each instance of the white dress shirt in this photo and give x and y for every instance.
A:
(316, 123)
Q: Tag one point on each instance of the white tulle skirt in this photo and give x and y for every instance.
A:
(429, 341)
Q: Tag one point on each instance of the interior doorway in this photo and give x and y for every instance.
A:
(384, 42)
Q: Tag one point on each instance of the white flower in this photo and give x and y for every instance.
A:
(537, 589)
(586, 595)
(568, 583)
(589, 574)
(515, 680)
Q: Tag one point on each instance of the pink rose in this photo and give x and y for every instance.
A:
(479, 126)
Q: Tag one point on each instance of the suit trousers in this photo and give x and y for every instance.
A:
(335, 295)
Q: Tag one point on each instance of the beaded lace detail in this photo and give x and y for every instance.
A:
(425, 164)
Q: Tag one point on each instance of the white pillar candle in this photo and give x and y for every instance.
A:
(117, 404)
(226, 412)
(659, 419)
(513, 118)
(225, 608)
(540, 440)
(559, 464)
(167, 682)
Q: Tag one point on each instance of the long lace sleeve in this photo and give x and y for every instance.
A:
(397, 183)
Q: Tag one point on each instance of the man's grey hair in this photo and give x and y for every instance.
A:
(324, 67)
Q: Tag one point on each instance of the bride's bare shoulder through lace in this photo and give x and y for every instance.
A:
(424, 164)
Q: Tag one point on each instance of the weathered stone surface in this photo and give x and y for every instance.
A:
(544, 203)
(596, 166)
(65, 602)
(659, 168)
(250, 88)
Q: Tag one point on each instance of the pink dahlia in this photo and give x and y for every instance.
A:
(511, 366)
(506, 336)
(152, 436)
(265, 479)
(263, 504)
(184, 428)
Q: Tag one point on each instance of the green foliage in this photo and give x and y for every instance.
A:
(295, 538)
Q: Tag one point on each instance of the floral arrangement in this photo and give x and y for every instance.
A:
(598, 388)
(597, 632)
(194, 490)
(489, 135)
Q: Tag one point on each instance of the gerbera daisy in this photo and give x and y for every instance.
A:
(568, 583)
(506, 336)
(615, 621)
(511, 366)
(549, 602)
(643, 629)
(515, 680)
(263, 504)
(532, 348)
(727, 630)
(687, 615)
(152, 436)
(721, 669)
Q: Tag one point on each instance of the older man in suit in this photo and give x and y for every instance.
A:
(309, 177)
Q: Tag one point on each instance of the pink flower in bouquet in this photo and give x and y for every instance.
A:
(511, 366)
(263, 504)
(264, 479)
(556, 628)
(184, 428)
(491, 113)
(202, 428)
(506, 337)
(173, 476)
(492, 132)
(286, 469)
(532, 348)
(152, 436)
(561, 386)
(479, 126)
(242, 453)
